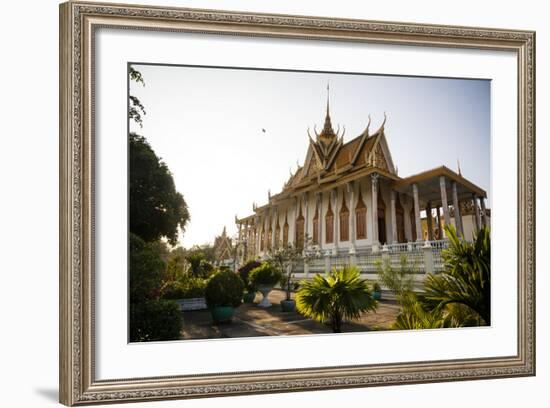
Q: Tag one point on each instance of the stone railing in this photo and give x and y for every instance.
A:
(422, 257)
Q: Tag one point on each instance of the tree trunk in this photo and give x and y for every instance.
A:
(336, 323)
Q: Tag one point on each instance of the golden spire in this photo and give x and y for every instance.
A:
(328, 131)
(328, 97)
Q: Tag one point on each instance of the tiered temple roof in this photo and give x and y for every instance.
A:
(328, 158)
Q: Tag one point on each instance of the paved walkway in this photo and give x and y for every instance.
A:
(251, 320)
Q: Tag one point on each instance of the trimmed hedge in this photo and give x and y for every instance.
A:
(188, 289)
(265, 274)
(155, 320)
(244, 272)
(224, 288)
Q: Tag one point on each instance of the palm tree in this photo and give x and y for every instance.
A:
(339, 295)
(466, 280)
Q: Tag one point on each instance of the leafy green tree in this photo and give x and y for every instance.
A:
(156, 209)
(199, 266)
(466, 280)
(146, 269)
(337, 296)
(284, 257)
(177, 267)
(136, 110)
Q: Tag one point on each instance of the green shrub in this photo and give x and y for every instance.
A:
(173, 291)
(244, 273)
(265, 274)
(224, 288)
(194, 288)
(155, 320)
(188, 288)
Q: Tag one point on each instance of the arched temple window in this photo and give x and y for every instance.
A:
(344, 220)
(300, 231)
(285, 231)
(277, 234)
(361, 217)
(261, 237)
(329, 225)
(268, 235)
(316, 225)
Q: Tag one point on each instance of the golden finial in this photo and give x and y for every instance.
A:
(328, 95)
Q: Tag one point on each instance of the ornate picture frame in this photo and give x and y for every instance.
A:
(78, 24)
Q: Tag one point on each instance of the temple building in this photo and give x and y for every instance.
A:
(347, 199)
(223, 248)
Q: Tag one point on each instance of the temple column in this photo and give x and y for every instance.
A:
(266, 236)
(476, 212)
(393, 218)
(439, 226)
(245, 232)
(429, 221)
(257, 234)
(335, 229)
(458, 215)
(296, 212)
(306, 221)
(417, 213)
(444, 204)
(374, 212)
(484, 212)
(320, 220)
(352, 234)
(274, 215)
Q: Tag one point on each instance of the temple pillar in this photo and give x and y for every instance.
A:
(293, 220)
(336, 219)
(274, 215)
(476, 212)
(352, 234)
(393, 218)
(257, 235)
(484, 218)
(418, 225)
(374, 212)
(444, 203)
(306, 221)
(320, 220)
(429, 221)
(458, 215)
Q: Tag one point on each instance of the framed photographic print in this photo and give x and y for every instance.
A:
(256, 203)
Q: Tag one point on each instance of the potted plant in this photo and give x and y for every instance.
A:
(376, 291)
(289, 285)
(283, 258)
(223, 294)
(244, 273)
(264, 277)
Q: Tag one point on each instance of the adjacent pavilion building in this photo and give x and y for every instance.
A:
(347, 201)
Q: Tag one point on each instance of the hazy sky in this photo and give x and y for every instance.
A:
(206, 124)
